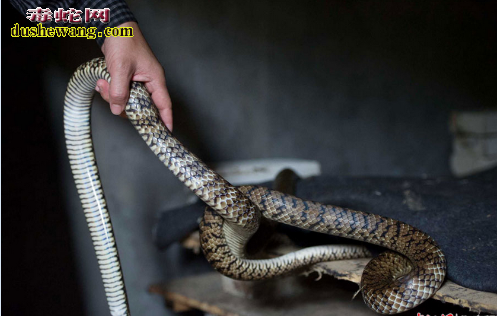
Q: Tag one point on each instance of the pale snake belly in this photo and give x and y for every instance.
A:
(391, 283)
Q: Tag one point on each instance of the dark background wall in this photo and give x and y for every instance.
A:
(365, 88)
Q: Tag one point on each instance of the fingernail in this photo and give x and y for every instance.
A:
(97, 88)
(169, 127)
(116, 109)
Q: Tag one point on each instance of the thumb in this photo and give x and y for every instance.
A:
(119, 89)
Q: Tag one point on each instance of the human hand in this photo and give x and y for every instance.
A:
(131, 59)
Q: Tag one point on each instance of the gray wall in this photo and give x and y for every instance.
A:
(365, 88)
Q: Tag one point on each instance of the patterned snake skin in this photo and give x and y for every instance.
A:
(391, 283)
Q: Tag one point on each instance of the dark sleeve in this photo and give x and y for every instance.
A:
(119, 11)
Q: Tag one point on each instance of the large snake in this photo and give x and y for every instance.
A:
(391, 283)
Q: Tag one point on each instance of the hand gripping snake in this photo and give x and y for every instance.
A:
(393, 282)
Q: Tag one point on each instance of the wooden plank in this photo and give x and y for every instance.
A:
(474, 300)
(351, 270)
(290, 296)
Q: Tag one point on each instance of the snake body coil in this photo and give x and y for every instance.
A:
(392, 282)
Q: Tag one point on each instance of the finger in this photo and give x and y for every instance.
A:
(162, 100)
(103, 88)
(119, 88)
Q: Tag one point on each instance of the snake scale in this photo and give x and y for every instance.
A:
(393, 282)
